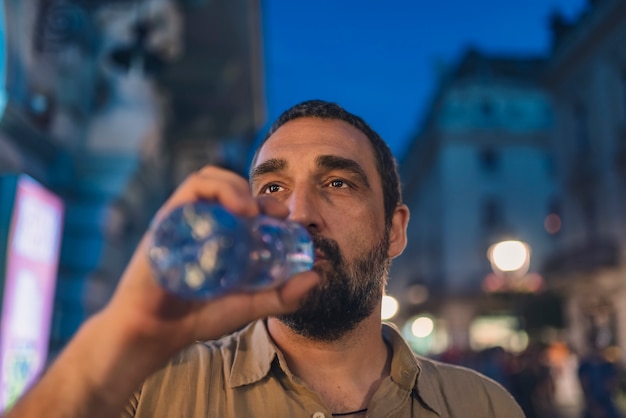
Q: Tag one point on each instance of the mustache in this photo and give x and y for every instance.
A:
(328, 248)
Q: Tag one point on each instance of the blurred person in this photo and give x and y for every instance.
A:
(316, 346)
(564, 365)
(494, 362)
(599, 380)
(532, 383)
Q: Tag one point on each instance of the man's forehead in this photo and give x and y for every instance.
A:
(311, 137)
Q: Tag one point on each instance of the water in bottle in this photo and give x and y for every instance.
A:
(201, 251)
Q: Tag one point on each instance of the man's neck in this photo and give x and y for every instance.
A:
(344, 373)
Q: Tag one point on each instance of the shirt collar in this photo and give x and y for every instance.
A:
(256, 351)
(410, 371)
(254, 355)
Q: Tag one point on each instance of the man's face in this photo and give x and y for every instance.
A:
(325, 172)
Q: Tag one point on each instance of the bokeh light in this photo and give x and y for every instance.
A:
(552, 223)
(389, 308)
(509, 255)
(422, 327)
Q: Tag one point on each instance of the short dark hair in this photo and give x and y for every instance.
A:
(385, 161)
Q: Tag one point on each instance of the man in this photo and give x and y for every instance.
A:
(328, 170)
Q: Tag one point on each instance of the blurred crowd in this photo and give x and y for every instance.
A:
(550, 381)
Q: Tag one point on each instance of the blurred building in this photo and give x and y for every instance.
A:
(109, 104)
(479, 172)
(586, 76)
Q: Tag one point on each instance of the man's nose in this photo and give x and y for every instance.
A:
(304, 209)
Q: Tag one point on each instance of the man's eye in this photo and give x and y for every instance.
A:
(272, 188)
(337, 183)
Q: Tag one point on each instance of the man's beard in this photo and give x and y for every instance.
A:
(348, 293)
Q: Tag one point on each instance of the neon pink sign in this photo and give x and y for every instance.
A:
(29, 286)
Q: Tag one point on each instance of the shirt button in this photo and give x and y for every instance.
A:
(319, 415)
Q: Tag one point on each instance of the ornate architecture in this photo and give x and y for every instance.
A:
(109, 104)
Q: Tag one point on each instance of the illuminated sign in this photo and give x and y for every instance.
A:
(3, 60)
(30, 236)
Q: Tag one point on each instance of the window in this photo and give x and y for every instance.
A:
(492, 213)
(590, 216)
(554, 206)
(486, 108)
(550, 165)
(581, 124)
(489, 160)
(623, 94)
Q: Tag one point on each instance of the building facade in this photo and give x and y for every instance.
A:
(586, 77)
(479, 172)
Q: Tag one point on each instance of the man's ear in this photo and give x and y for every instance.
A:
(397, 233)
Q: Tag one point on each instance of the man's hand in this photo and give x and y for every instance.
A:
(143, 325)
(152, 313)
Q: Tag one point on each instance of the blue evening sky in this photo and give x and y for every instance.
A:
(379, 58)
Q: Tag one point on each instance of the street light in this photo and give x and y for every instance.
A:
(510, 261)
(510, 257)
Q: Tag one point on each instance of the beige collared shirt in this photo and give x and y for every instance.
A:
(245, 375)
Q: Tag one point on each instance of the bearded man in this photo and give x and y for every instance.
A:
(316, 346)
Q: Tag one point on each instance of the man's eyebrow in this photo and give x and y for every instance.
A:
(270, 166)
(333, 162)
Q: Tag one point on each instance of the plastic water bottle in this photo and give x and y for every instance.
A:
(201, 251)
